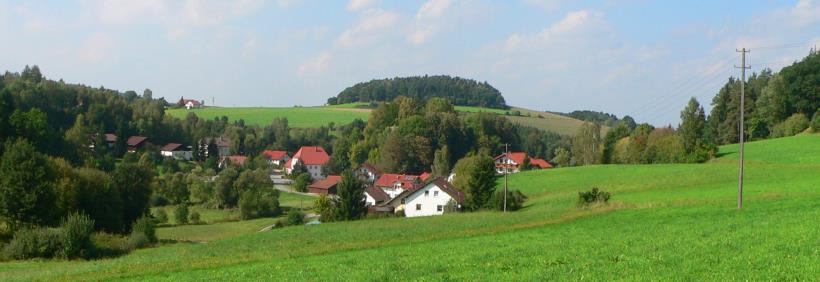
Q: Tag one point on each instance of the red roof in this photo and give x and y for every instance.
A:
(134, 141)
(540, 163)
(327, 183)
(110, 137)
(377, 194)
(236, 159)
(389, 179)
(517, 157)
(275, 155)
(424, 176)
(371, 168)
(311, 155)
(170, 147)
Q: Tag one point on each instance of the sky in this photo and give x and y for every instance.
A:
(628, 57)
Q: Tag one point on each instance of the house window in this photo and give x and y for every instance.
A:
(418, 207)
(439, 208)
(426, 193)
(435, 193)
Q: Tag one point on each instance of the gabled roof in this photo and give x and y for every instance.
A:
(135, 140)
(275, 155)
(377, 193)
(517, 157)
(170, 147)
(445, 186)
(312, 155)
(111, 137)
(424, 176)
(371, 168)
(389, 179)
(218, 141)
(236, 159)
(327, 183)
(540, 163)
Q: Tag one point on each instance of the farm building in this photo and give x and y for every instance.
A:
(276, 157)
(232, 160)
(540, 164)
(313, 158)
(135, 143)
(375, 196)
(325, 186)
(189, 103)
(177, 151)
(223, 145)
(512, 162)
(435, 197)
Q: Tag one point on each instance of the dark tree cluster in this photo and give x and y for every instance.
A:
(601, 118)
(459, 91)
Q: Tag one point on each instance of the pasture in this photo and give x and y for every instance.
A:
(664, 222)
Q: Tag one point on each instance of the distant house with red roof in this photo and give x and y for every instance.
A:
(368, 173)
(395, 184)
(177, 151)
(434, 197)
(135, 143)
(424, 176)
(276, 157)
(312, 157)
(540, 164)
(511, 162)
(325, 186)
(189, 103)
(234, 160)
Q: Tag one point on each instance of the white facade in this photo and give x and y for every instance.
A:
(393, 191)
(506, 162)
(179, 155)
(427, 201)
(315, 172)
(279, 162)
(370, 201)
(367, 175)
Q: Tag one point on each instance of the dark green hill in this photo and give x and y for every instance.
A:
(460, 91)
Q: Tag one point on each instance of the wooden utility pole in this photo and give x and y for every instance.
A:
(506, 171)
(743, 68)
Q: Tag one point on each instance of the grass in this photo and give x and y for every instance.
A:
(302, 117)
(664, 222)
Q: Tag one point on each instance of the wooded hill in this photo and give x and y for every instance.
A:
(459, 91)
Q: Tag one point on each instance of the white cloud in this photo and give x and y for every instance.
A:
(369, 26)
(98, 48)
(577, 25)
(127, 12)
(805, 12)
(358, 5)
(427, 21)
(316, 64)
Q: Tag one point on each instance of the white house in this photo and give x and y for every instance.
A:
(395, 184)
(375, 196)
(368, 173)
(176, 151)
(276, 157)
(432, 198)
(313, 157)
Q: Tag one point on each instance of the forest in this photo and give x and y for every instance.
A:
(459, 91)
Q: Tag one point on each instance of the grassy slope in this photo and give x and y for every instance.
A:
(674, 222)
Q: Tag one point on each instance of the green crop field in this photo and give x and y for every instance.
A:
(664, 222)
(302, 117)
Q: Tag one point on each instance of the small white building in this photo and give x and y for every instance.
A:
(176, 151)
(368, 173)
(276, 157)
(433, 198)
(314, 158)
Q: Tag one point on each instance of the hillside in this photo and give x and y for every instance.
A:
(669, 222)
(459, 91)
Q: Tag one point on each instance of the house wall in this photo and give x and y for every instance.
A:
(430, 202)
(369, 200)
(392, 191)
(506, 161)
(315, 171)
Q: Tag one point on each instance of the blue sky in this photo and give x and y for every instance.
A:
(642, 58)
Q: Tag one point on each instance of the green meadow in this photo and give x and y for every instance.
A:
(664, 222)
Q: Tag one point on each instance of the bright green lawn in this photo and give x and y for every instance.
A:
(303, 117)
(665, 222)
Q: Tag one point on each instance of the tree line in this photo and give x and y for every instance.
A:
(459, 91)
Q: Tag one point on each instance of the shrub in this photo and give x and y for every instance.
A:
(76, 232)
(33, 243)
(593, 196)
(136, 241)
(181, 214)
(302, 182)
(161, 216)
(296, 217)
(515, 200)
(795, 124)
(815, 122)
(145, 226)
(158, 201)
(254, 204)
(195, 217)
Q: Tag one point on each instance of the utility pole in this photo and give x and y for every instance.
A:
(743, 68)
(506, 171)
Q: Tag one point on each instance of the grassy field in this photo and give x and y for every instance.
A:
(305, 117)
(665, 222)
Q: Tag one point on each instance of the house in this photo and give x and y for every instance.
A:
(135, 143)
(375, 196)
(234, 160)
(325, 186)
(109, 138)
(189, 103)
(395, 184)
(424, 176)
(223, 145)
(435, 197)
(177, 151)
(509, 162)
(276, 157)
(312, 157)
(540, 164)
(368, 173)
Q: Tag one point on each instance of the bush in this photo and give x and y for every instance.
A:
(815, 122)
(793, 125)
(158, 201)
(302, 182)
(195, 218)
(161, 216)
(76, 232)
(136, 241)
(515, 200)
(181, 214)
(296, 217)
(33, 243)
(254, 204)
(145, 226)
(593, 196)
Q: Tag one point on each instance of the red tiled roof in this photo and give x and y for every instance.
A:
(540, 163)
(517, 157)
(377, 194)
(170, 147)
(327, 183)
(311, 155)
(388, 179)
(445, 186)
(424, 176)
(236, 159)
(135, 140)
(275, 155)
(371, 168)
